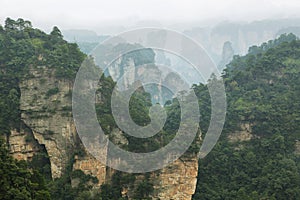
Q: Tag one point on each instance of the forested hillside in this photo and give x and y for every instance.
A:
(263, 104)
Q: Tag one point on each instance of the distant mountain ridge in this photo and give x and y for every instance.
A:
(241, 35)
(87, 40)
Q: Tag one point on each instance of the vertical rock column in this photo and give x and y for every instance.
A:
(46, 108)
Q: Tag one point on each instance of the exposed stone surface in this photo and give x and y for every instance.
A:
(177, 181)
(117, 70)
(45, 105)
(118, 138)
(90, 165)
(245, 134)
(20, 147)
(46, 110)
(297, 147)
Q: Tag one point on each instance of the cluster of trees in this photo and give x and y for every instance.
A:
(262, 90)
(140, 190)
(17, 181)
(260, 169)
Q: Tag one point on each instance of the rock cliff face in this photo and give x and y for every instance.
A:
(45, 108)
(22, 144)
(177, 181)
(90, 165)
(46, 113)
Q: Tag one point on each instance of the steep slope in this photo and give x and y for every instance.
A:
(256, 157)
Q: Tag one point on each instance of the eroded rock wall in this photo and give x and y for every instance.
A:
(177, 181)
(90, 165)
(22, 145)
(46, 108)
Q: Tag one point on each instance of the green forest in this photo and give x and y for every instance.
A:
(262, 88)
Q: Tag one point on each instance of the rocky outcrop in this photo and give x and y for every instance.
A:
(227, 55)
(120, 67)
(91, 166)
(46, 108)
(22, 144)
(178, 180)
(297, 147)
(245, 134)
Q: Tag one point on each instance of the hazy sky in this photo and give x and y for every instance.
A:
(94, 14)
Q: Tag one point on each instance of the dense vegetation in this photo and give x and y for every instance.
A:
(17, 181)
(263, 91)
